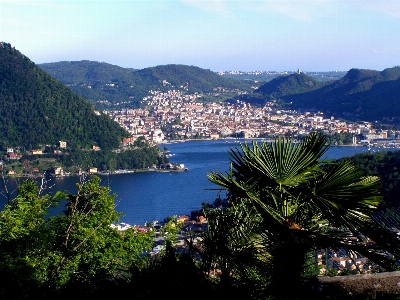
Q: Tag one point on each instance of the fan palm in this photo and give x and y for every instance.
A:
(305, 202)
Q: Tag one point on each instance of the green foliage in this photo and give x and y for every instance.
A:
(386, 165)
(46, 255)
(72, 72)
(138, 157)
(170, 231)
(37, 109)
(287, 203)
(232, 245)
(340, 138)
(287, 85)
(170, 274)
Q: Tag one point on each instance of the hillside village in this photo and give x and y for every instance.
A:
(176, 115)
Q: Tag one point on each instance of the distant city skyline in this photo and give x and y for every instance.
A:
(220, 35)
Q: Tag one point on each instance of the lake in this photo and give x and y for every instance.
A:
(149, 196)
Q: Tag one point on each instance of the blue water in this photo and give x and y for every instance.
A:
(153, 196)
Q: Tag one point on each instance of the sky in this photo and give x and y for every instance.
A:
(219, 35)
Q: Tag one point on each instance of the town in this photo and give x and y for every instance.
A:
(174, 115)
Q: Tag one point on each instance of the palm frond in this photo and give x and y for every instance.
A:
(302, 199)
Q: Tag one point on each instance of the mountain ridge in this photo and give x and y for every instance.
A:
(37, 109)
(361, 94)
(124, 85)
(296, 83)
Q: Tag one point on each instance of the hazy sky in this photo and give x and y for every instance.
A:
(220, 35)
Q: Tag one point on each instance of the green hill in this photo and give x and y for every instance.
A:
(282, 86)
(289, 85)
(75, 72)
(37, 109)
(105, 83)
(361, 94)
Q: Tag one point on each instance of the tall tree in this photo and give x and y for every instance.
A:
(73, 252)
(304, 203)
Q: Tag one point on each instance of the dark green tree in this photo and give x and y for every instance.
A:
(298, 204)
(74, 253)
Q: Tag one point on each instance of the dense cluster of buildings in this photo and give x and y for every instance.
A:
(176, 115)
(253, 73)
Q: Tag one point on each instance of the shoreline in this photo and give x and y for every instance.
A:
(30, 176)
(244, 139)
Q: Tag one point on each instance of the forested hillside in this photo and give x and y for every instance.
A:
(365, 94)
(73, 72)
(292, 84)
(283, 86)
(386, 165)
(104, 83)
(37, 109)
(361, 94)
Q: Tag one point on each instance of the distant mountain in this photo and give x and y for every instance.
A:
(36, 109)
(360, 94)
(282, 86)
(265, 76)
(289, 85)
(85, 71)
(101, 82)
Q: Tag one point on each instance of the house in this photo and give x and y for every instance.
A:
(92, 170)
(12, 155)
(339, 262)
(214, 135)
(121, 227)
(157, 136)
(58, 171)
(182, 219)
(142, 229)
(201, 219)
(95, 148)
(62, 144)
(11, 172)
(36, 151)
(128, 140)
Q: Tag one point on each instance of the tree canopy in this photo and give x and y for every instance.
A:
(74, 252)
(285, 203)
(37, 109)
